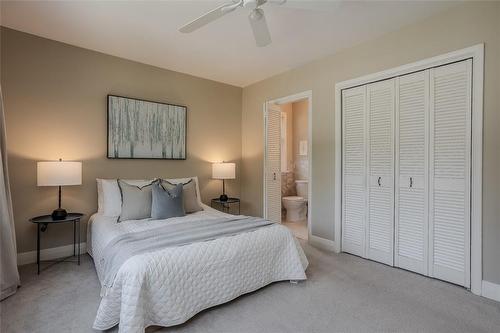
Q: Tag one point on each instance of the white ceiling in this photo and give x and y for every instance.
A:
(224, 50)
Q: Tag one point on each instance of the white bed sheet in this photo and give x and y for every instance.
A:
(169, 286)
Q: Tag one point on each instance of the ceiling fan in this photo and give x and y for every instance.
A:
(256, 18)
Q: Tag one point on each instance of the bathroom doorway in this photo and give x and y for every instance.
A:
(287, 162)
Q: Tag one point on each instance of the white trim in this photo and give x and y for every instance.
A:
(309, 162)
(475, 52)
(469, 52)
(491, 290)
(291, 99)
(264, 165)
(49, 254)
(338, 169)
(476, 235)
(322, 243)
(284, 139)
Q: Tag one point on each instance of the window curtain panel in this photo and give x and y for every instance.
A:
(8, 253)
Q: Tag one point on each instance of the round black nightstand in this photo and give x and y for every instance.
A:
(43, 222)
(226, 205)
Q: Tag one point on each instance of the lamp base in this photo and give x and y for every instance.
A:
(223, 197)
(59, 214)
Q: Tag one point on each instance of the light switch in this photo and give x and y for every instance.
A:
(303, 147)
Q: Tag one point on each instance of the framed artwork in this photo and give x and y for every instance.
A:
(146, 129)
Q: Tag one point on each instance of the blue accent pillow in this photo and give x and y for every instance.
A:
(167, 203)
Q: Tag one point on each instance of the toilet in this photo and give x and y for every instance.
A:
(296, 206)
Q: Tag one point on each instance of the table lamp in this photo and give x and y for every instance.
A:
(59, 173)
(223, 171)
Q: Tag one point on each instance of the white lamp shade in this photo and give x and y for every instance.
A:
(224, 170)
(59, 173)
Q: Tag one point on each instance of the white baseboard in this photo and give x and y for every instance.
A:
(49, 254)
(491, 290)
(322, 243)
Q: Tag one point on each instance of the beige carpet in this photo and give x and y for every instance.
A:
(343, 294)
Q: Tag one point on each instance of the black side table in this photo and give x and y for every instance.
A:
(43, 222)
(226, 205)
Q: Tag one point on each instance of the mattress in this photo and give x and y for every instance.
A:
(168, 286)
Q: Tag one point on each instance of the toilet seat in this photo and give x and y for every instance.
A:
(293, 198)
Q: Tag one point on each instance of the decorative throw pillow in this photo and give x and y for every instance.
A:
(109, 198)
(191, 203)
(167, 203)
(136, 201)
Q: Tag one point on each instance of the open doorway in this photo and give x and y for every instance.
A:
(287, 162)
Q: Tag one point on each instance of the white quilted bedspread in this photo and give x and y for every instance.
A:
(169, 286)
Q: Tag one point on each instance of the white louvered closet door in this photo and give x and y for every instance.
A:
(412, 142)
(272, 204)
(354, 170)
(450, 112)
(380, 221)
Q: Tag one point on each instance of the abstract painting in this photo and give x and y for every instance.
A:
(144, 129)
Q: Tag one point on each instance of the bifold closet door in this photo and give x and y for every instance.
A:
(380, 220)
(450, 127)
(354, 170)
(411, 199)
(272, 168)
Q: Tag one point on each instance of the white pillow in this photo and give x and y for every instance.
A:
(109, 198)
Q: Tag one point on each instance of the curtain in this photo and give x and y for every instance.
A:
(8, 253)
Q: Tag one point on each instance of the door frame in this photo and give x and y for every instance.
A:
(305, 95)
(476, 53)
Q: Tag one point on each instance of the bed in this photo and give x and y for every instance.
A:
(168, 286)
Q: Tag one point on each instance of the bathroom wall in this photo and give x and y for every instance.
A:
(300, 128)
(288, 184)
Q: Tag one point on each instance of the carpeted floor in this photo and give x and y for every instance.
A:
(343, 294)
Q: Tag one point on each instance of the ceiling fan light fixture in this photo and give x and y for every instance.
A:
(231, 7)
(251, 4)
(256, 14)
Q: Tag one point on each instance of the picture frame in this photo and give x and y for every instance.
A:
(143, 129)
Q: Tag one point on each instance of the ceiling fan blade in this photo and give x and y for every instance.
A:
(207, 18)
(260, 30)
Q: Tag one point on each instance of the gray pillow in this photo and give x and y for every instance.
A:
(167, 203)
(136, 201)
(191, 204)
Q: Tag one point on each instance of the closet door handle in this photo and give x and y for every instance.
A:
(411, 182)
(274, 175)
(379, 181)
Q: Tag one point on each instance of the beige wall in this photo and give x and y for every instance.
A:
(465, 25)
(55, 103)
(300, 163)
